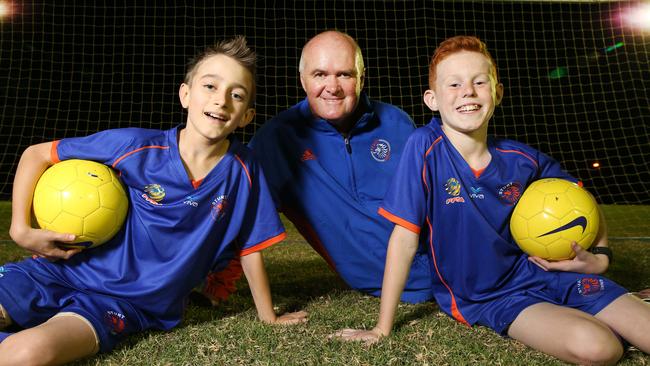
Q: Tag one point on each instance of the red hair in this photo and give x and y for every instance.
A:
(457, 44)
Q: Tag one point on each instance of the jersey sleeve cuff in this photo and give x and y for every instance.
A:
(399, 221)
(263, 245)
(54, 153)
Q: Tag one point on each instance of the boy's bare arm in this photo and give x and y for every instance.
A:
(402, 246)
(253, 266)
(33, 162)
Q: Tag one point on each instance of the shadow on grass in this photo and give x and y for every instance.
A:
(296, 277)
(419, 312)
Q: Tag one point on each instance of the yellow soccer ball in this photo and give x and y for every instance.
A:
(80, 197)
(552, 213)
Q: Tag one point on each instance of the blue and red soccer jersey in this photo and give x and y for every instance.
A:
(176, 230)
(462, 217)
(330, 186)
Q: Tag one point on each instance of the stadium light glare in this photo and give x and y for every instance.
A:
(6, 9)
(637, 17)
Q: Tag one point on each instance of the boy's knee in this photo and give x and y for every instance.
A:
(601, 355)
(599, 347)
(14, 351)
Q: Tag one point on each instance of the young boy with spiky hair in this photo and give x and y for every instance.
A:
(565, 308)
(211, 204)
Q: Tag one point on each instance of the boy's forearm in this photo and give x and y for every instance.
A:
(601, 236)
(402, 246)
(253, 266)
(601, 241)
(33, 162)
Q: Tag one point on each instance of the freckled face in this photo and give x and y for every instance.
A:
(217, 98)
(465, 92)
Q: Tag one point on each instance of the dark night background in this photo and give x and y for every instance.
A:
(71, 68)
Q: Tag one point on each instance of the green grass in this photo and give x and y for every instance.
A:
(231, 335)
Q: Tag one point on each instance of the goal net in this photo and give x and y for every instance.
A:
(576, 75)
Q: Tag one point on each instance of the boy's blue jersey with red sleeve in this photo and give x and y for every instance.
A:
(463, 216)
(176, 230)
(330, 186)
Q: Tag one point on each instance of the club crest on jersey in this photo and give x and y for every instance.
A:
(2, 271)
(219, 207)
(380, 150)
(115, 321)
(153, 193)
(510, 193)
(452, 187)
(476, 193)
(590, 285)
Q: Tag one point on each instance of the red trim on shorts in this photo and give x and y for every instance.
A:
(263, 245)
(399, 221)
(219, 285)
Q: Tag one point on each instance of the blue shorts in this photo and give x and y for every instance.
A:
(32, 297)
(4, 335)
(585, 292)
